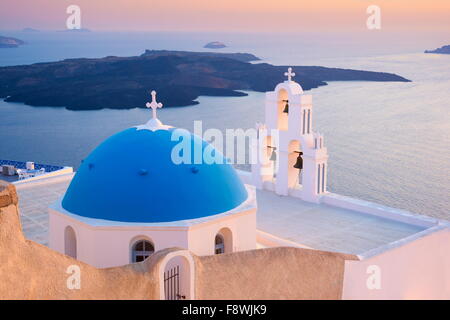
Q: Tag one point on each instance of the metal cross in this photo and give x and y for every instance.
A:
(154, 105)
(289, 74)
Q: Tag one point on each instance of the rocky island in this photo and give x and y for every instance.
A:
(441, 50)
(7, 42)
(180, 77)
(244, 57)
(215, 45)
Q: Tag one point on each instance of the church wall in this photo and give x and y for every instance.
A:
(56, 235)
(115, 245)
(109, 246)
(242, 226)
(419, 269)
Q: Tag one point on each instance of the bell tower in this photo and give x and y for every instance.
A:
(291, 157)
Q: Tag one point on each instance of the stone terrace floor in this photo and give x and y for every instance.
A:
(324, 227)
(34, 199)
(316, 226)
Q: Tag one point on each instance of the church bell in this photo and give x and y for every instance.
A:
(273, 156)
(286, 107)
(299, 163)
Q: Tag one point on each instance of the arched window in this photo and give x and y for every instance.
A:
(70, 242)
(141, 250)
(219, 244)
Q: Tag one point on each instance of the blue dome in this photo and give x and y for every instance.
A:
(131, 177)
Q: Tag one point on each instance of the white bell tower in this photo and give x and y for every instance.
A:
(292, 159)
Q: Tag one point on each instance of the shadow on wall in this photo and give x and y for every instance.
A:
(274, 273)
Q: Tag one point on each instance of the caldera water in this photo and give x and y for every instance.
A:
(388, 142)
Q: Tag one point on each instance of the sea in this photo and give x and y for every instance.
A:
(387, 142)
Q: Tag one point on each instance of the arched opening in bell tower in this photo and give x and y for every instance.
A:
(271, 159)
(295, 164)
(283, 110)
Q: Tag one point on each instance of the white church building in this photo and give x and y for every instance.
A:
(129, 199)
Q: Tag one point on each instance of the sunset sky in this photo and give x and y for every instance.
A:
(230, 15)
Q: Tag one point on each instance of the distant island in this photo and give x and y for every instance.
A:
(215, 45)
(8, 42)
(180, 77)
(81, 30)
(441, 50)
(29, 30)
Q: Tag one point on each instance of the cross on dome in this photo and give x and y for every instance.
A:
(153, 124)
(289, 74)
(154, 105)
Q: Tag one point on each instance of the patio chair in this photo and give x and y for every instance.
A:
(8, 170)
(23, 174)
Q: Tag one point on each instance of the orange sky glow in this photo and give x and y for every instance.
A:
(231, 15)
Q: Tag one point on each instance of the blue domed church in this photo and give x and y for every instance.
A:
(133, 196)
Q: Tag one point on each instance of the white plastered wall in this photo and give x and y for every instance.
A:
(243, 233)
(110, 246)
(419, 269)
(107, 244)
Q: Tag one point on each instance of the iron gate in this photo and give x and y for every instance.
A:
(172, 284)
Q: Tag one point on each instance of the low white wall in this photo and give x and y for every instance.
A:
(379, 210)
(270, 241)
(358, 205)
(62, 172)
(416, 270)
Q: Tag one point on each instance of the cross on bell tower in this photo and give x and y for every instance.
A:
(154, 105)
(289, 74)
